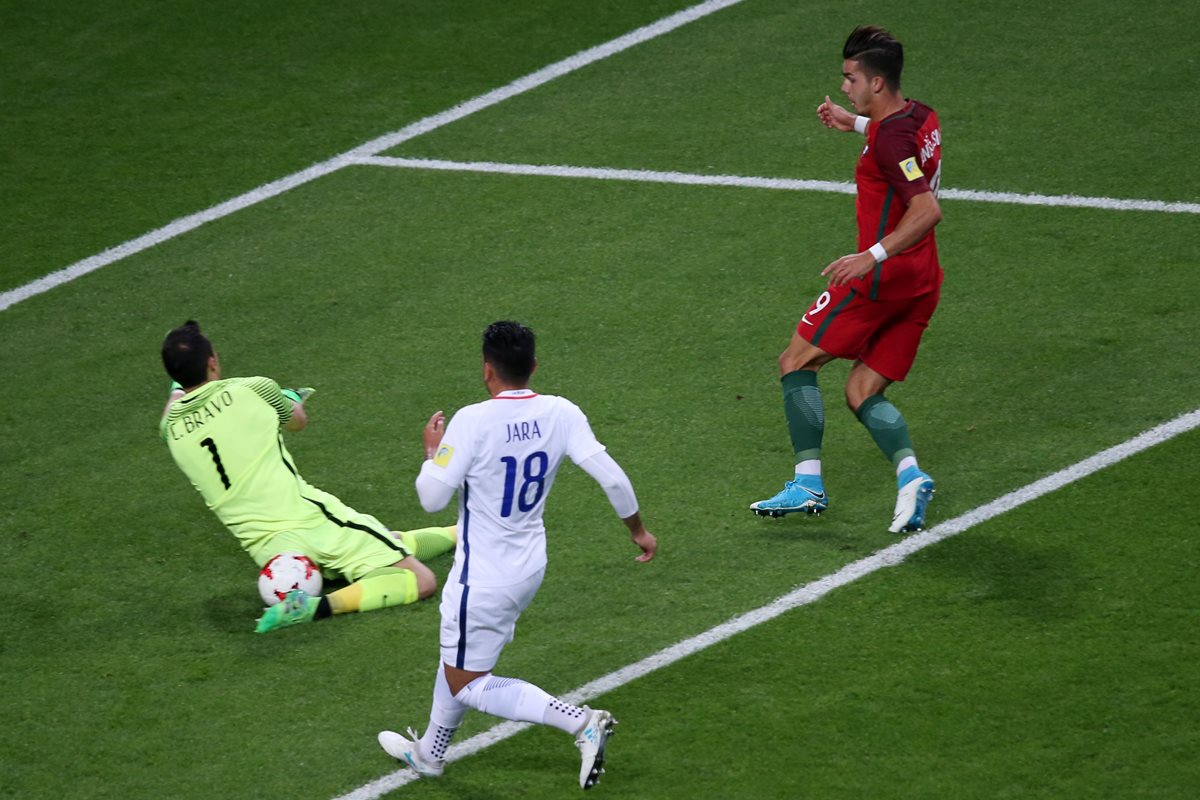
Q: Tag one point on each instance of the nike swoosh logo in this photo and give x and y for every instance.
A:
(814, 495)
(805, 321)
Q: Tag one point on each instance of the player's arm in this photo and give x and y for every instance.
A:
(922, 214)
(834, 116)
(443, 469)
(288, 403)
(895, 152)
(299, 419)
(616, 485)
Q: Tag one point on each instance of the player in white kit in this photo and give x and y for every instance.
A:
(501, 457)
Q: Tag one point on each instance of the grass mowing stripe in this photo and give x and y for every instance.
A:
(810, 592)
(377, 145)
(543, 75)
(789, 184)
(169, 231)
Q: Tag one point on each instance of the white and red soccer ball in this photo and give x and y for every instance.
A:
(285, 572)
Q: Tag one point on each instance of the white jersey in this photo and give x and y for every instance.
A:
(502, 456)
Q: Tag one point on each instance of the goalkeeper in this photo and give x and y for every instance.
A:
(225, 434)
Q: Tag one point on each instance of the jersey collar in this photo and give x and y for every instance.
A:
(516, 394)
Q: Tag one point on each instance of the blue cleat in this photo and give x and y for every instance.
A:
(804, 493)
(915, 490)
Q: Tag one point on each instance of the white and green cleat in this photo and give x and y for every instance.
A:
(295, 608)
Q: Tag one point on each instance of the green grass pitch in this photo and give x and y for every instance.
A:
(1050, 652)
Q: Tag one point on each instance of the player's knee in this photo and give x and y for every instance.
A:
(785, 360)
(790, 361)
(426, 582)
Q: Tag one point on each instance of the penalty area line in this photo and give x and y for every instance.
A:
(787, 184)
(809, 593)
(377, 145)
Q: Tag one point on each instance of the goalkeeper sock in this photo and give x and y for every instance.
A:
(805, 412)
(382, 588)
(425, 543)
(887, 427)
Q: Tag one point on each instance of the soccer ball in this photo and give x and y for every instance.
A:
(285, 572)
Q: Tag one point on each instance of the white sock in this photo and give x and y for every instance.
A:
(445, 715)
(905, 463)
(810, 466)
(564, 716)
(513, 698)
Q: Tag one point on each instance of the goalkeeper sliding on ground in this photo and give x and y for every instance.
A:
(226, 436)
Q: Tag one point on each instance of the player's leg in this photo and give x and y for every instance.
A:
(382, 572)
(821, 336)
(888, 358)
(406, 581)
(477, 622)
(515, 699)
(426, 755)
(804, 411)
(427, 543)
(403, 582)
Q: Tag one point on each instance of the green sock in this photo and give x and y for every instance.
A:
(425, 543)
(805, 412)
(887, 427)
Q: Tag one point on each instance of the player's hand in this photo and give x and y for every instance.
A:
(834, 116)
(646, 541)
(847, 268)
(299, 395)
(435, 429)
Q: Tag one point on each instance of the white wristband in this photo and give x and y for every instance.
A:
(879, 253)
(860, 124)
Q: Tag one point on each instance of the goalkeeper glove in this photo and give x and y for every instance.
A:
(299, 395)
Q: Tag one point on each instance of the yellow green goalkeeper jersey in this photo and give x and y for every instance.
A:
(226, 438)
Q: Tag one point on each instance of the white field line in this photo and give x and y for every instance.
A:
(790, 184)
(809, 593)
(378, 145)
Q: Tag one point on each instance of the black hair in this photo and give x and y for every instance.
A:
(878, 52)
(185, 354)
(509, 347)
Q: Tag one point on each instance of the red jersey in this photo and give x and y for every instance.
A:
(902, 159)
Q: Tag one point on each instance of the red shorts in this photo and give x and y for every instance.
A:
(883, 335)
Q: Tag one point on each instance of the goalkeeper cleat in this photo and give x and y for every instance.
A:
(591, 741)
(295, 608)
(805, 493)
(915, 492)
(408, 751)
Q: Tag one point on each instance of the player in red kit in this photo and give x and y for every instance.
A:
(880, 299)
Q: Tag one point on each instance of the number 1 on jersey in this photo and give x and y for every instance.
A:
(534, 475)
(212, 448)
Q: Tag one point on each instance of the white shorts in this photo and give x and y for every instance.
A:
(478, 621)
